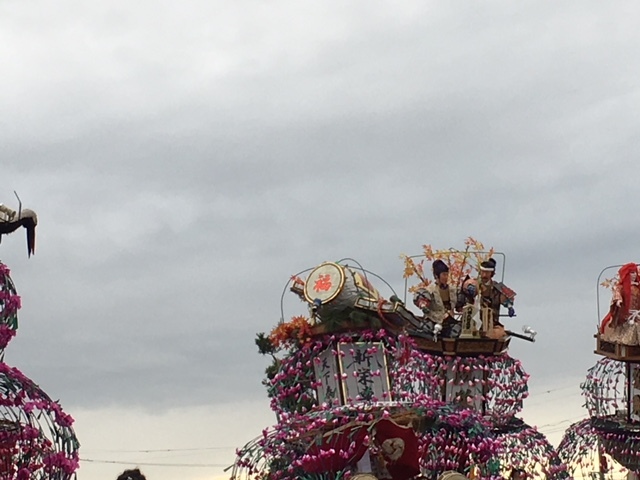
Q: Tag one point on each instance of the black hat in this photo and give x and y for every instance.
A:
(488, 265)
(439, 267)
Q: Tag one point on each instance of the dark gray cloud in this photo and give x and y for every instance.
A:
(185, 163)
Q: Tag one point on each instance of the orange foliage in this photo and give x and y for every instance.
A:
(297, 331)
(460, 263)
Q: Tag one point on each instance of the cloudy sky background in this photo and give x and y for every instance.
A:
(186, 158)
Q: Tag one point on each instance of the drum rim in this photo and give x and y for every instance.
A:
(338, 290)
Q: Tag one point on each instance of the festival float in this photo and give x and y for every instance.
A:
(37, 440)
(609, 440)
(365, 388)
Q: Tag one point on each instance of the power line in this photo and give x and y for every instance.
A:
(544, 392)
(162, 450)
(558, 427)
(560, 422)
(151, 464)
(549, 401)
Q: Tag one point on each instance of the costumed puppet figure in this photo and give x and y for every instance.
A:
(438, 299)
(621, 324)
(493, 295)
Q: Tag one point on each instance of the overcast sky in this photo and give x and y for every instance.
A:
(186, 158)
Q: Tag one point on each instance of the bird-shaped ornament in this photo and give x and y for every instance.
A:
(10, 221)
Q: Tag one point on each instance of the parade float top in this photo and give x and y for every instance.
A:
(618, 334)
(612, 386)
(341, 298)
(363, 386)
(37, 440)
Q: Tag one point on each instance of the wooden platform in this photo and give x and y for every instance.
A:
(397, 319)
(617, 351)
(465, 347)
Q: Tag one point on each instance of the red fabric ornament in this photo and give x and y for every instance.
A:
(625, 280)
(624, 275)
(331, 454)
(399, 448)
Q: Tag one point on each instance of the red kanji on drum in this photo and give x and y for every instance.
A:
(323, 283)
